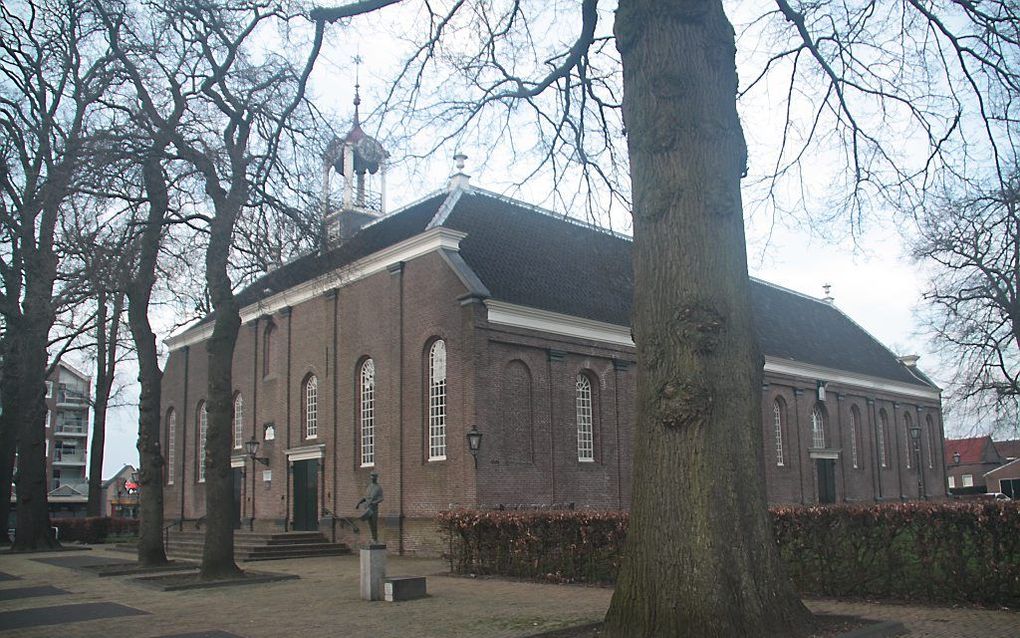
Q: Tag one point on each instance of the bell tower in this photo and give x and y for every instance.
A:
(361, 161)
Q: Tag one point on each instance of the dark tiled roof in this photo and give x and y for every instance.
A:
(533, 258)
(974, 450)
(1008, 449)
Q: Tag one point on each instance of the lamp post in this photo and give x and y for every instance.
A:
(252, 446)
(915, 435)
(474, 438)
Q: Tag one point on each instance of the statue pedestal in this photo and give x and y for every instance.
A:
(373, 571)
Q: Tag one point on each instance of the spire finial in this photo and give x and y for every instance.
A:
(357, 87)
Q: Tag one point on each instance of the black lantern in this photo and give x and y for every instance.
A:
(474, 438)
(252, 445)
(915, 432)
(956, 458)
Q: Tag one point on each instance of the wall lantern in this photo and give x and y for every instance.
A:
(820, 390)
(956, 458)
(915, 432)
(474, 438)
(252, 446)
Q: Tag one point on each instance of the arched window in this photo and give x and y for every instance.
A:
(437, 401)
(777, 422)
(267, 349)
(930, 423)
(366, 412)
(883, 425)
(585, 429)
(853, 436)
(908, 439)
(817, 428)
(203, 429)
(171, 435)
(311, 412)
(238, 421)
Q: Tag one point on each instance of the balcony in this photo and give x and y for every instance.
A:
(71, 429)
(65, 458)
(72, 398)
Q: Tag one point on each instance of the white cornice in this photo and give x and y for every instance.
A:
(306, 452)
(508, 314)
(429, 241)
(502, 313)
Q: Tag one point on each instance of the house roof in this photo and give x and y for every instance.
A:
(123, 472)
(535, 258)
(1008, 449)
(978, 449)
(1008, 470)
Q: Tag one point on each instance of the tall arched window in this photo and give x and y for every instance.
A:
(883, 425)
(311, 411)
(437, 401)
(203, 430)
(171, 436)
(930, 423)
(777, 423)
(366, 412)
(909, 440)
(585, 428)
(817, 428)
(238, 421)
(267, 349)
(853, 436)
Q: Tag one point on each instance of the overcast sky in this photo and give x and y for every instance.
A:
(872, 280)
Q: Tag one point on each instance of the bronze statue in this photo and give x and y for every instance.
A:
(373, 496)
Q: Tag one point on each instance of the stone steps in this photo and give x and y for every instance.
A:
(249, 546)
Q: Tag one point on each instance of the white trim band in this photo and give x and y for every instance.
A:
(306, 452)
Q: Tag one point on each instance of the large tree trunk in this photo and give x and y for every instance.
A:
(8, 426)
(700, 558)
(218, 550)
(151, 551)
(107, 335)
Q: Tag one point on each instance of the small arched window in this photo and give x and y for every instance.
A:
(366, 412)
(267, 349)
(238, 421)
(817, 428)
(777, 424)
(907, 423)
(203, 430)
(585, 425)
(853, 436)
(311, 407)
(171, 437)
(930, 423)
(437, 401)
(883, 425)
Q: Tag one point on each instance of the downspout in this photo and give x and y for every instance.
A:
(184, 431)
(335, 296)
(800, 443)
(554, 355)
(877, 464)
(842, 457)
(397, 270)
(899, 458)
(254, 406)
(287, 466)
(617, 366)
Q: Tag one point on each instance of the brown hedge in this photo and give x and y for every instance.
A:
(935, 552)
(95, 529)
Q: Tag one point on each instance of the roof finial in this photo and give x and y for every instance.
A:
(828, 297)
(357, 88)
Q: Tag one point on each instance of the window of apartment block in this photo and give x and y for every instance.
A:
(968, 480)
(585, 426)
(437, 401)
(777, 422)
(171, 437)
(817, 428)
(203, 429)
(311, 411)
(366, 412)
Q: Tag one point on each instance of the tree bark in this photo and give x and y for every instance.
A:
(8, 427)
(151, 551)
(107, 335)
(700, 558)
(218, 550)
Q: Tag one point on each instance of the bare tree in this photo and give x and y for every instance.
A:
(53, 72)
(973, 246)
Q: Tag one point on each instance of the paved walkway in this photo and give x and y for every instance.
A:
(325, 602)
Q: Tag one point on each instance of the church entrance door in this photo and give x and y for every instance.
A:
(237, 474)
(826, 480)
(306, 495)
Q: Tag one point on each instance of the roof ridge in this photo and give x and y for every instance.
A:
(475, 190)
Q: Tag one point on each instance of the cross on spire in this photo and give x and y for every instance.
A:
(357, 88)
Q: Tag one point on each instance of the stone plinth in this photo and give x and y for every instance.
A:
(373, 571)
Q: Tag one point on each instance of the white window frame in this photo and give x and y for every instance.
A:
(238, 421)
(311, 395)
(777, 422)
(203, 432)
(366, 412)
(952, 482)
(584, 417)
(171, 450)
(48, 417)
(968, 480)
(49, 389)
(853, 438)
(437, 401)
(817, 428)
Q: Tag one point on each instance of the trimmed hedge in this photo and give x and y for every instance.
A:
(934, 552)
(94, 530)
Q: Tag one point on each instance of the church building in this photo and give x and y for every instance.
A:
(469, 313)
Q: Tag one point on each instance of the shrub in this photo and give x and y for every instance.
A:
(935, 552)
(94, 530)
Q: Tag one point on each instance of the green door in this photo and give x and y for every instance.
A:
(306, 495)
